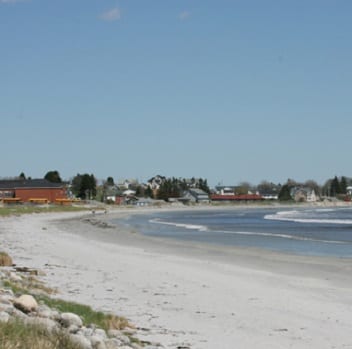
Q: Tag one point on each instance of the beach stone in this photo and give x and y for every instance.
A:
(19, 314)
(8, 308)
(124, 339)
(113, 343)
(114, 333)
(4, 317)
(6, 291)
(44, 311)
(81, 340)
(15, 277)
(97, 342)
(6, 300)
(26, 303)
(73, 329)
(48, 324)
(100, 333)
(68, 319)
(87, 332)
(136, 346)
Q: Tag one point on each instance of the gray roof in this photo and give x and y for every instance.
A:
(28, 184)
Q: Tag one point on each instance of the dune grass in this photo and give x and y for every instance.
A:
(17, 335)
(87, 314)
(5, 260)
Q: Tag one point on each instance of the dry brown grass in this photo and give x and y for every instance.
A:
(113, 322)
(5, 260)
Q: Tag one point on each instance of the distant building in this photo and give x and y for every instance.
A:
(27, 190)
(269, 194)
(225, 190)
(241, 197)
(155, 182)
(303, 194)
(349, 190)
(195, 195)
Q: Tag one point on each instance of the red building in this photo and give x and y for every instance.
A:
(31, 190)
(241, 197)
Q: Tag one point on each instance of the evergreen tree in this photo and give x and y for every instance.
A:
(343, 185)
(84, 186)
(110, 182)
(53, 177)
(203, 185)
(148, 192)
(335, 187)
(284, 194)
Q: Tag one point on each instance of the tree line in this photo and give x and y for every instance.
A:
(85, 186)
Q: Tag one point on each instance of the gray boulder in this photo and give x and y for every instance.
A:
(48, 324)
(26, 303)
(69, 319)
(81, 340)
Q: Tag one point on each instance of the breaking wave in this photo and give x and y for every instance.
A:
(180, 225)
(300, 217)
(283, 236)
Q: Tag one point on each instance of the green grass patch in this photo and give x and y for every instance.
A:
(17, 335)
(87, 314)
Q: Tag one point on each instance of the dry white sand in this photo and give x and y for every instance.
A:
(187, 295)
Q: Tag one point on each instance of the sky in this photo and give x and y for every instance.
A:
(227, 90)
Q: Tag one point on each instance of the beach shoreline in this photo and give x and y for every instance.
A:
(188, 295)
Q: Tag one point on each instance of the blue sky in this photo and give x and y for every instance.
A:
(241, 90)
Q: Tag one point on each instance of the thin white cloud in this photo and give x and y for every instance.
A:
(111, 15)
(184, 15)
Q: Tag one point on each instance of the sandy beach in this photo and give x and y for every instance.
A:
(187, 295)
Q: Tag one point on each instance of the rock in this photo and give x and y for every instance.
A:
(15, 277)
(68, 319)
(19, 314)
(113, 343)
(26, 303)
(8, 308)
(124, 339)
(136, 346)
(114, 333)
(121, 335)
(73, 329)
(97, 342)
(100, 333)
(6, 292)
(4, 317)
(81, 340)
(86, 332)
(48, 324)
(44, 311)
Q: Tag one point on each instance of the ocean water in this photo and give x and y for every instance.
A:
(309, 231)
